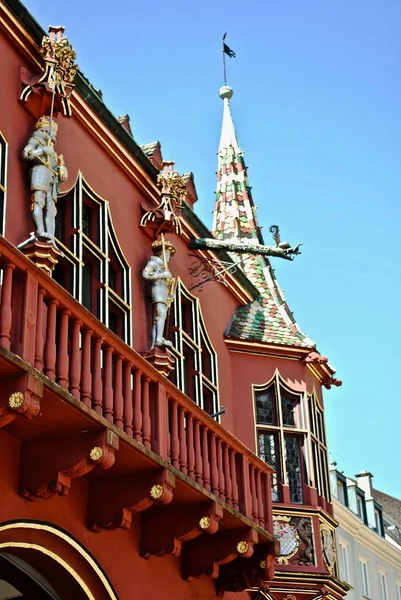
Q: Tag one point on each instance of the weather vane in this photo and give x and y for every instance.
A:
(230, 53)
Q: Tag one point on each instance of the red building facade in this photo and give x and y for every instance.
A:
(121, 474)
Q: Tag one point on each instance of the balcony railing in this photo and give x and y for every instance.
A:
(44, 325)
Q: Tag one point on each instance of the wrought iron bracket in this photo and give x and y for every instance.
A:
(202, 270)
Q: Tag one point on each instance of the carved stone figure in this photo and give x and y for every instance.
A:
(46, 172)
(305, 532)
(161, 282)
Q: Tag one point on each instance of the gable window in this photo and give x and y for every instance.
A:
(196, 367)
(280, 436)
(93, 269)
(3, 182)
(319, 448)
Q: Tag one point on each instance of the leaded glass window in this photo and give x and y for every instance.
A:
(196, 360)
(94, 269)
(3, 182)
(294, 468)
(280, 439)
(318, 447)
(265, 407)
(267, 446)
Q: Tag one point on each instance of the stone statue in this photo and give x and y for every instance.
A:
(45, 174)
(161, 287)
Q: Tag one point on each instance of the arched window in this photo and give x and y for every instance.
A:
(318, 447)
(196, 368)
(3, 182)
(94, 269)
(281, 434)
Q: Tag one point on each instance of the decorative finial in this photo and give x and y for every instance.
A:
(226, 92)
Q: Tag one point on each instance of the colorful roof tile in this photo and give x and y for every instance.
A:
(268, 318)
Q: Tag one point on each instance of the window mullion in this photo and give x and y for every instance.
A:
(281, 440)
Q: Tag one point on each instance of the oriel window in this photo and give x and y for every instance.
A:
(281, 436)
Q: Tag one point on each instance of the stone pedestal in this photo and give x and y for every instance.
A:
(161, 359)
(43, 253)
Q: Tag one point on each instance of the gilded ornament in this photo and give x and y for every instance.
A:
(172, 183)
(290, 597)
(205, 522)
(96, 453)
(263, 564)
(16, 400)
(156, 491)
(58, 50)
(242, 547)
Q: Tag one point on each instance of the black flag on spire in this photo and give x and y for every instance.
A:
(226, 49)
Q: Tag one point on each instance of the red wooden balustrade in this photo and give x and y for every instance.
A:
(65, 342)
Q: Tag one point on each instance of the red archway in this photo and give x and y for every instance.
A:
(46, 560)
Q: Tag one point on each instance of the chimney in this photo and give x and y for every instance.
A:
(364, 480)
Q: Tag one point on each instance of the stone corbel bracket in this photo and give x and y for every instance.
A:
(252, 572)
(47, 466)
(20, 396)
(113, 502)
(204, 555)
(165, 530)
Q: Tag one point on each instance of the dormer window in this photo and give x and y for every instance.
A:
(360, 507)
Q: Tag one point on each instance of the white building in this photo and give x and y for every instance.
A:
(368, 539)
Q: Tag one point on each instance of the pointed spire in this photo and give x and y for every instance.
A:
(268, 318)
(234, 214)
(228, 136)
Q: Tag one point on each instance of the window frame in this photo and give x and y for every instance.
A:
(81, 249)
(364, 574)
(189, 335)
(282, 432)
(3, 181)
(319, 465)
(383, 584)
(343, 561)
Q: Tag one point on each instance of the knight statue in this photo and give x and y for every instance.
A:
(161, 283)
(46, 173)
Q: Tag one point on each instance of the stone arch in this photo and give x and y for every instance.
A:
(60, 559)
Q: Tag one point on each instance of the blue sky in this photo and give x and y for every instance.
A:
(317, 108)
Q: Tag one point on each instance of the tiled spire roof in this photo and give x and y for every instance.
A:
(268, 318)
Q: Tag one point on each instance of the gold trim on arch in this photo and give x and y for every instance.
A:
(55, 557)
(69, 540)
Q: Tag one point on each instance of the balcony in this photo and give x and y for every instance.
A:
(84, 404)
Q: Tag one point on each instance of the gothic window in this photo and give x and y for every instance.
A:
(318, 448)
(94, 269)
(281, 437)
(3, 182)
(196, 369)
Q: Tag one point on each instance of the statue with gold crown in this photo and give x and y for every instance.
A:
(161, 284)
(46, 173)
